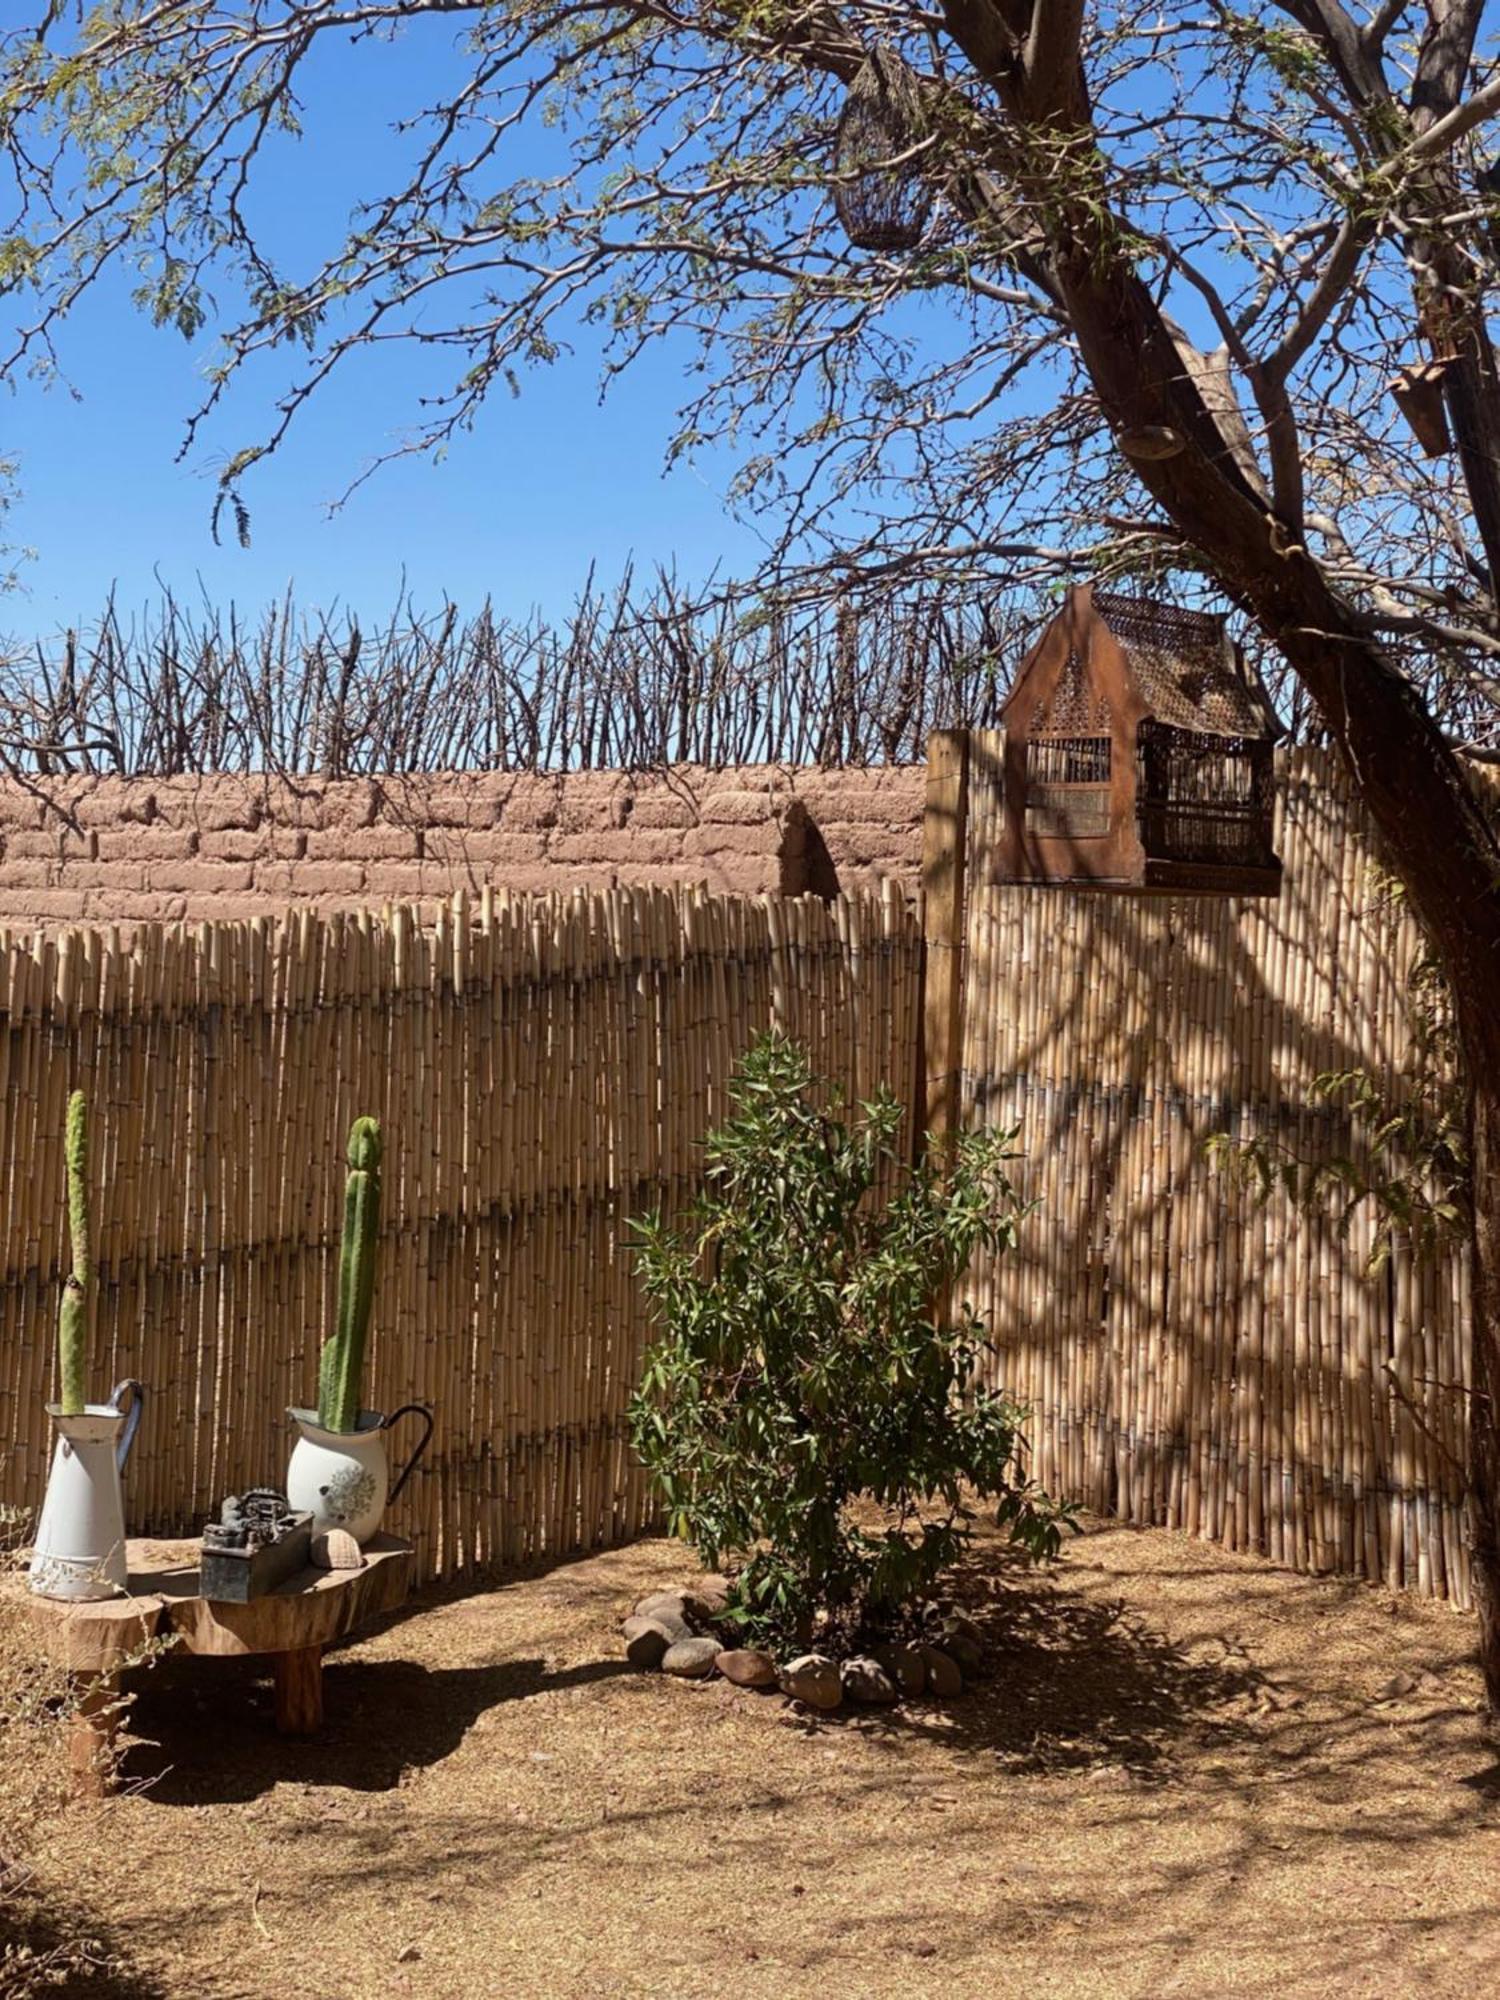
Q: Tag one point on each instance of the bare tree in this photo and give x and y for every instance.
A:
(1193, 289)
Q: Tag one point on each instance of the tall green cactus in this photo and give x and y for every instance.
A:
(72, 1331)
(343, 1361)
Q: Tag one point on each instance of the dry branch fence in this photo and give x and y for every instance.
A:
(633, 678)
(1194, 1359)
(544, 1069)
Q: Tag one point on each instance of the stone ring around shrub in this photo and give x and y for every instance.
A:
(678, 1632)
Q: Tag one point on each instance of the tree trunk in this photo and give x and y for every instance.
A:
(1484, 1430)
(1424, 810)
(1402, 767)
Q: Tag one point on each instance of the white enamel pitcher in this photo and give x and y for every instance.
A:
(342, 1478)
(80, 1538)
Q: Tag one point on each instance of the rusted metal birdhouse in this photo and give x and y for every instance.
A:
(1138, 755)
(881, 206)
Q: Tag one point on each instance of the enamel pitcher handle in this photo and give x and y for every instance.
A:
(132, 1422)
(409, 1410)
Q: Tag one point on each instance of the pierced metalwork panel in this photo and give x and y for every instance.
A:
(1144, 622)
(1075, 708)
(1184, 666)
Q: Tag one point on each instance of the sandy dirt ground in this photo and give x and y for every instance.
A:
(1190, 1774)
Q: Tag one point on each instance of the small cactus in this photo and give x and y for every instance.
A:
(341, 1368)
(72, 1330)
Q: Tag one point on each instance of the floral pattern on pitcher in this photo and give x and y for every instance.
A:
(349, 1492)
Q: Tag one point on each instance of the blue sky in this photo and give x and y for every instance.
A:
(547, 484)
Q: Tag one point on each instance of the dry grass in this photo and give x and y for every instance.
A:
(49, 1940)
(1182, 1780)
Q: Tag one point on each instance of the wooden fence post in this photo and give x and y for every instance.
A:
(944, 830)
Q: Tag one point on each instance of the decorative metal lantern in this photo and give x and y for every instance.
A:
(1418, 391)
(1139, 755)
(881, 207)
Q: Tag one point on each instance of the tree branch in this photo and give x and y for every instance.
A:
(1444, 134)
(1054, 71)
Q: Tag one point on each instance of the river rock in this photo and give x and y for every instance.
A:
(647, 1641)
(960, 1647)
(960, 1622)
(813, 1678)
(943, 1677)
(905, 1666)
(672, 1608)
(691, 1659)
(747, 1667)
(711, 1592)
(866, 1680)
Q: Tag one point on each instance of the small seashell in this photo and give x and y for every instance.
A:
(337, 1549)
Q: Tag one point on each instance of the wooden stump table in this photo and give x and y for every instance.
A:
(292, 1623)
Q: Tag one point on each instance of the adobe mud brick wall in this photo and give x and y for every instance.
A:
(117, 850)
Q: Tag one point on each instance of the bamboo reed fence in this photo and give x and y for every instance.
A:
(1194, 1359)
(544, 1068)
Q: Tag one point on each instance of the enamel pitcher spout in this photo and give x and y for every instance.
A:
(80, 1538)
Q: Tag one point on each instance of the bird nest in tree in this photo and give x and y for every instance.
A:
(881, 202)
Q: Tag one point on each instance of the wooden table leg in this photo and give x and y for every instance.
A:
(91, 1735)
(299, 1691)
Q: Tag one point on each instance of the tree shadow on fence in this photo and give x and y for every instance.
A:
(1153, 1314)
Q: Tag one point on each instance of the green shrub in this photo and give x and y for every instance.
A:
(806, 1416)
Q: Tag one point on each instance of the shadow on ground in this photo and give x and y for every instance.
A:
(1074, 1681)
(207, 1732)
(46, 1950)
(1184, 1771)
(1071, 1683)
